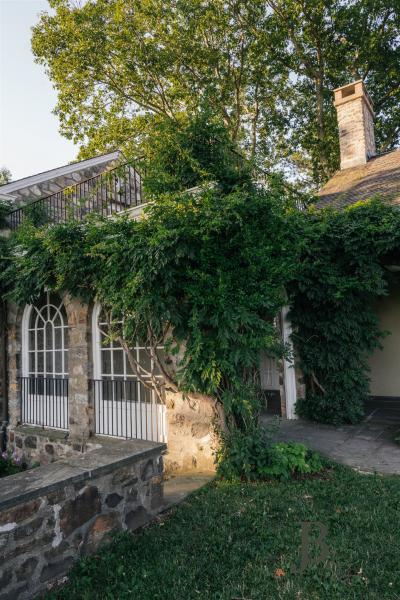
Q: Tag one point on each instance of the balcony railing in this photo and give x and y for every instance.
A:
(110, 192)
(45, 402)
(128, 409)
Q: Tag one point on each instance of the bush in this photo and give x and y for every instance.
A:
(252, 455)
(10, 464)
(334, 408)
(290, 458)
(5, 207)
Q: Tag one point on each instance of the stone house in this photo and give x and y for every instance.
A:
(61, 387)
(364, 174)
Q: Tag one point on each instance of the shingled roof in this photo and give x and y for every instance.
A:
(380, 176)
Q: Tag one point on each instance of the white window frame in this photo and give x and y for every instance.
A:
(44, 410)
(26, 350)
(98, 375)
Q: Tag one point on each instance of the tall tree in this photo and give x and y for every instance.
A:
(266, 67)
(5, 175)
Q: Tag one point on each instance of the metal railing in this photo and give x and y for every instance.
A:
(127, 409)
(45, 402)
(109, 192)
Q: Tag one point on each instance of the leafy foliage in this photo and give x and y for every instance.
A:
(4, 210)
(336, 327)
(204, 275)
(200, 274)
(182, 153)
(267, 69)
(252, 455)
(10, 464)
(5, 175)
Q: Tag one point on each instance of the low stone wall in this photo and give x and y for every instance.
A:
(51, 515)
(44, 446)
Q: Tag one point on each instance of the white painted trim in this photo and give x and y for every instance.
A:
(58, 172)
(24, 340)
(7, 197)
(288, 368)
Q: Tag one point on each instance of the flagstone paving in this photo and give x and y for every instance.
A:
(369, 446)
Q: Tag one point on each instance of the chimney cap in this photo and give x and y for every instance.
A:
(352, 91)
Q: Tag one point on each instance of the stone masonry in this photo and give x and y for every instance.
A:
(36, 445)
(356, 124)
(3, 370)
(190, 422)
(191, 438)
(80, 367)
(52, 515)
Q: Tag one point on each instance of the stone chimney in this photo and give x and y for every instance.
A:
(355, 116)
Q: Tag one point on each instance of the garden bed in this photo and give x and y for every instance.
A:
(242, 541)
(11, 464)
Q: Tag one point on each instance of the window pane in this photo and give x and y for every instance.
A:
(106, 362)
(49, 336)
(31, 361)
(118, 360)
(31, 340)
(145, 360)
(40, 362)
(66, 338)
(58, 362)
(129, 370)
(105, 343)
(49, 363)
(58, 338)
(39, 342)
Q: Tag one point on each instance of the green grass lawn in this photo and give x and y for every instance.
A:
(230, 541)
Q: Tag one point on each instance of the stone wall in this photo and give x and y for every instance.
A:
(54, 514)
(3, 369)
(36, 445)
(191, 437)
(190, 423)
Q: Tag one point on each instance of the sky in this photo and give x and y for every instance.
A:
(29, 138)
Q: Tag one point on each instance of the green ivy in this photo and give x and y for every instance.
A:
(217, 267)
(341, 274)
(205, 274)
(210, 267)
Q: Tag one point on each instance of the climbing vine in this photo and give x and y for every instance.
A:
(204, 275)
(344, 260)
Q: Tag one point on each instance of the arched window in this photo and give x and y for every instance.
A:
(111, 362)
(124, 406)
(48, 338)
(44, 385)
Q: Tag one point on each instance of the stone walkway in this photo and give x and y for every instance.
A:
(178, 487)
(368, 446)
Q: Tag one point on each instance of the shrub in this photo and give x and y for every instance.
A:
(10, 464)
(287, 459)
(5, 207)
(252, 455)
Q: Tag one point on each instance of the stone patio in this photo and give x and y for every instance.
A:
(367, 447)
